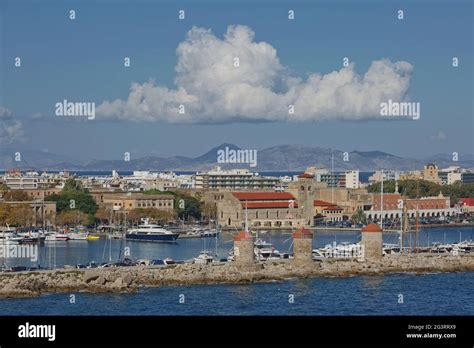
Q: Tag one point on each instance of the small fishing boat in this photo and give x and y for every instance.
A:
(92, 238)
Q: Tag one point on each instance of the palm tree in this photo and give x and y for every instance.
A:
(359, 217)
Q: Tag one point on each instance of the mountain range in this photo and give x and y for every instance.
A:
(276, 158)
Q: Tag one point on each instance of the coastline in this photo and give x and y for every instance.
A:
(351, 229)
(130, 279)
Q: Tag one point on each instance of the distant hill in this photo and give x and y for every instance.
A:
(277, 158)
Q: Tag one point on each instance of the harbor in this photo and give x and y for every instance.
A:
(130, 279)
(109, 248)
(198, 261)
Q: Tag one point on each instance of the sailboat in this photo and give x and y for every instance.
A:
(205, 256)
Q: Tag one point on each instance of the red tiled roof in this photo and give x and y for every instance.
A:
(319, 203)
(243, 235)
(371, 228)
(332, 207)
(263, 196)
(303, 233)
(467, 201)
(305, 175)
(256, 205)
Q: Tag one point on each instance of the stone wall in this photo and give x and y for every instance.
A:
(128, 279)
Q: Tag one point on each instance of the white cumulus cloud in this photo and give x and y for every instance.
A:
(212, 89)
(10, 129)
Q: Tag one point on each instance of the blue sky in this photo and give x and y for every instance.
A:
(81, 60)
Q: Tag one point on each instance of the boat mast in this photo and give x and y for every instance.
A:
(217, 231)
(402, 220)
(246, 216)
(381, 202)
(333, 179)
(417, 214)
(405, 223)
(42, 227)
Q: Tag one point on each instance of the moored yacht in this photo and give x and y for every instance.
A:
(9, 238)
(56, 237)
(78, 235)
(147, 232)
(204, 258)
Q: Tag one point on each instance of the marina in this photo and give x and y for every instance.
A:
(273, 245)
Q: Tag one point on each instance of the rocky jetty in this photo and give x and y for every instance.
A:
(129, 279)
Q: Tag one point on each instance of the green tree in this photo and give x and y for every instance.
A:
(186, 206)
(423, 188)
(74, 197)
(359, 217)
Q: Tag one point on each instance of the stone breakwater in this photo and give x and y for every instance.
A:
(129, 279)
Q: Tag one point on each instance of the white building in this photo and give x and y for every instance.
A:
(352, 179)
(21, 182)
(235, 179)
(387, 176)
(450, 175)
(453, 177)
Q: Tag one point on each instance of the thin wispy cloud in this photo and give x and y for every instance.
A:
(212, 89)
(440, 136)
(10, 129)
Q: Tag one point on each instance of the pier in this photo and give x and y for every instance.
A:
(130, 279)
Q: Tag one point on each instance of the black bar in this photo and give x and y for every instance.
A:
(380, 331)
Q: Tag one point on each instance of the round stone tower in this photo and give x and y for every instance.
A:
(303, 246)
(372, 242)
(244, 248)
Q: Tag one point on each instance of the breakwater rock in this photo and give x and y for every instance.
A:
(129, 279)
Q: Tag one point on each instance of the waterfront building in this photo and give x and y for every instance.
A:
(129, 201)
(426, 206)
(466, 205)
(350, 200)
(234, 179)
(327, 212)
(264, 209)
(341, 202)
(304, 191)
